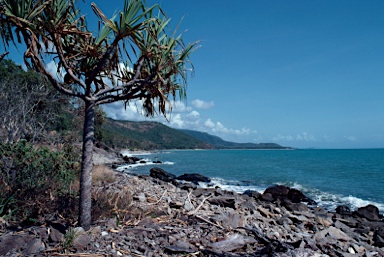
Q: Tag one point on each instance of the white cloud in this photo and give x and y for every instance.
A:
(304, 136)
(180, 107)
(177, 121)
(181, 117)
(193, 115)
(209, 124)
(52, 68)
(218, 128)
(280, 137)
(132, 112)
(200, 104)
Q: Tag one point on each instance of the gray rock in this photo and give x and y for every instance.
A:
(112, 223)
(141, 197)
(188, 206)
(252, 193)
(233, 242)
(55, 235)
(285, 220)
(198, 192)
(338, 234)
(11, 242)
(81, 239)
(306, 252)
(223, 201)
(177, 249)
(343, 227)
(34, 246)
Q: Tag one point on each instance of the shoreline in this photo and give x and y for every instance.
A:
(326, 199)
(320, 232)
(158, 218)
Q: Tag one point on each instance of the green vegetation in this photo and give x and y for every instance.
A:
(147, 136)
(35, 179)
(218, 143)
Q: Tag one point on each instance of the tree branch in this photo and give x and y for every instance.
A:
(102, 62)
(3, 55)
(68, 69)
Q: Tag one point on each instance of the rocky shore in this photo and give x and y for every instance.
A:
(163, 215)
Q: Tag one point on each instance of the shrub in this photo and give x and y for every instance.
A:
(34, 180)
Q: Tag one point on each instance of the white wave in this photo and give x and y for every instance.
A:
(331, 201)
(356, 202)
(236, 186)
(324, 199)
(148, 162)
(134, 153)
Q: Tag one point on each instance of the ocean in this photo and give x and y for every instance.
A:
(352, 177)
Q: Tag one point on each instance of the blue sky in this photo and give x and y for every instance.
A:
(297, 73)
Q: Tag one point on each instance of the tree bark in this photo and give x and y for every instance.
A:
(85, 207)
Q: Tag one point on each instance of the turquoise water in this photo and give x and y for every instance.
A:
(330, 177)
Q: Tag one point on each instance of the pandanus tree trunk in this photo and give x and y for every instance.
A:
(85, 205)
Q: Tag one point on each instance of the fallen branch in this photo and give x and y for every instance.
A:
(159, 199)
(200, 205)
(189, 198)
(77, 254)
(209, 222)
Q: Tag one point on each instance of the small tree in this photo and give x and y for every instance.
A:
(24, 103)
(133, 56)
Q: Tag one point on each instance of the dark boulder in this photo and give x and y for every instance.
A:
(378, 237)
(135, 159)
(194, 178)
(296, 196)
(343, 210)
(184, 186)
(161, 174)
(267, 197)
(297, 207)
(277, 191)
(131, 160)
(252, 193)
(283, 192)
(223, 201)
(198, 192)
(370, 212)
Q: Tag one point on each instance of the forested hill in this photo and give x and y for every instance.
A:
(147, 135)
(219, 143)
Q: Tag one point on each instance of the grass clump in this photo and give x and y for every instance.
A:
(102, 174)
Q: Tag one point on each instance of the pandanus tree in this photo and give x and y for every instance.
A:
(133, 56)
